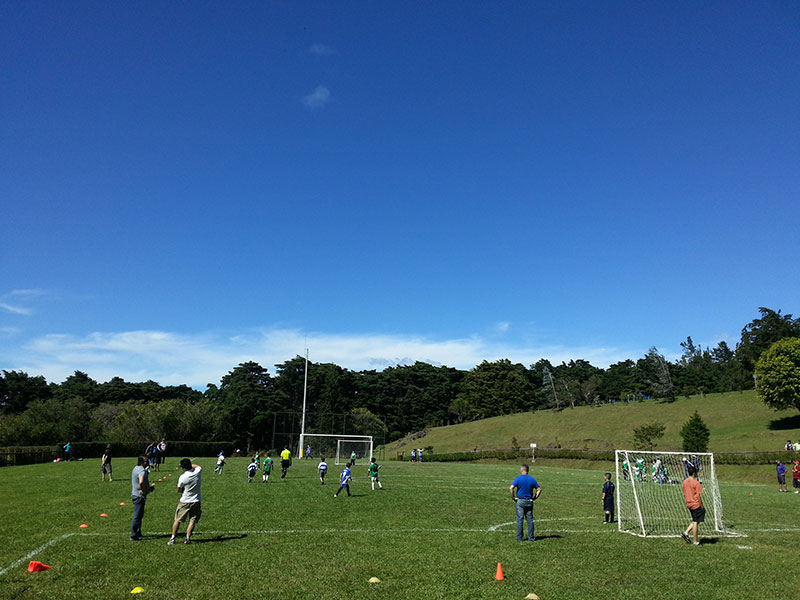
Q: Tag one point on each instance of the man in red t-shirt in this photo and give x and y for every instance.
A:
(796, 477)
(691, 493)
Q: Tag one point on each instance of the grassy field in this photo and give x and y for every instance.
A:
(738, 422)
(435, 531)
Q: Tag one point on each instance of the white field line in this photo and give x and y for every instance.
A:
(41, 548)
(380, 531)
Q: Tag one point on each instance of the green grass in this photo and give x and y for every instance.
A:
(426, 535)
(738, 422)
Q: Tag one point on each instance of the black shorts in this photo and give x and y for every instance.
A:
(795, 482)
(608, 504)
(781, 479)
(698, 514)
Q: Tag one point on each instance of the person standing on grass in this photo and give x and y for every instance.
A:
(413, 455)
(105, 464)
(162, 452)
(322, 469)
(267, 468)
(353, 458)
(373, 469)
(789, 447)
(286, 461)
(608, 499)
(189, 504)
(781, 470)
(796, 477)
(140, 488)
(522, 493)
(691, 493)
(67, 451)
(220, 463)
(344, 480)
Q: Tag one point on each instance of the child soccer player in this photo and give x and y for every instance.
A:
(691, 493)
(373, 469)
(220, 464)
(608, 499)
(258, 460)
(251, 470)
(267, 468)
(322, 468)
(344, 481)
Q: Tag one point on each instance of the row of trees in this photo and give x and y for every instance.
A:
(254, 408)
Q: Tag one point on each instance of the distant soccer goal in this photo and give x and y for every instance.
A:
(650, 500)
(354, 446)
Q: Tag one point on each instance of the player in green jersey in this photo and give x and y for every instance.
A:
(373, 469)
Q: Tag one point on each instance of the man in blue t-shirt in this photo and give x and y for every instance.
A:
(522, 492)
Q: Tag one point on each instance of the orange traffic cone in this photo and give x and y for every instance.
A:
(35, 565)
(499, 575)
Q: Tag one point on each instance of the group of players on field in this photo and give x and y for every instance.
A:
(345, 476)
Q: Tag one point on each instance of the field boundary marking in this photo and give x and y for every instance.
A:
(41, 548)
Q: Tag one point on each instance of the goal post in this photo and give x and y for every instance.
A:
(650, 500)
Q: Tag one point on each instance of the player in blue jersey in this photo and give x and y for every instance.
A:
(608, 499)
(344, 481)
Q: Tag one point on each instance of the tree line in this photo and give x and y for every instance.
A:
(254, 408)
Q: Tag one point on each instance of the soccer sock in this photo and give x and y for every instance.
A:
(611, 517)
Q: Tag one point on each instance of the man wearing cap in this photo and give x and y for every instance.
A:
(189, 504)
(522, 493)
(781, 471)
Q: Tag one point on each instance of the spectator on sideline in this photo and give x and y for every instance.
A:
(105, 464)
(162, 452)
(691, 493)
(523, 495)
(140, 488)
(796, 477)
(789, 447)
(189, 504)
(67, 451)
(781, 470)
(797, 446)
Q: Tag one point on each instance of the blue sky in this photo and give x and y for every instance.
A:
(186, 186)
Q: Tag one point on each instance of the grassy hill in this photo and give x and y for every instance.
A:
(738, 422)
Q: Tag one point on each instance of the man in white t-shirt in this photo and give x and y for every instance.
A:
(189, 504)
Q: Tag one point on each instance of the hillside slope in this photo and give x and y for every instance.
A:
(738, 422)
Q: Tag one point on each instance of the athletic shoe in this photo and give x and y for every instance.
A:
(171, 542)
(686, 537)
(697, 543)
(187, 541)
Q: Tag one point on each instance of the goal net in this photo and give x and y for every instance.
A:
(650, 498)
(358, 447)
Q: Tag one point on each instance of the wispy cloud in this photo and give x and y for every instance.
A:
(173, 358)
(319, 98)
(16, 310)
(320, 50)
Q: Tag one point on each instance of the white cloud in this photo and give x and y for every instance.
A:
(16, 310)
(319, 98)
(172, 358)
(320, 50)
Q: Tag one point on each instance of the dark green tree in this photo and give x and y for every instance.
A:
(760, 334)
(778, 375)
(647, 435)
(695, 434)
(18, 389)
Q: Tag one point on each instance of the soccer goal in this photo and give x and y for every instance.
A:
(358, 445)
(650, 498)
(340, 446)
